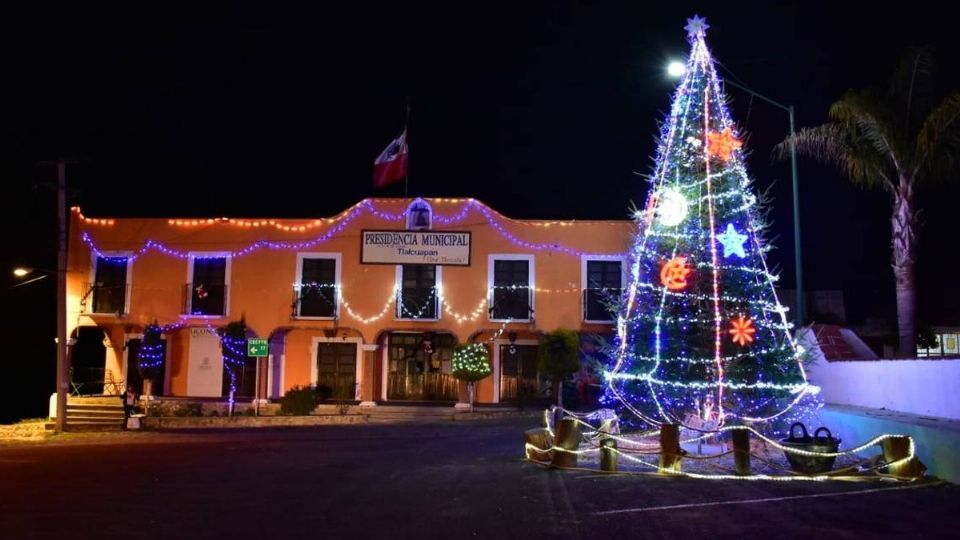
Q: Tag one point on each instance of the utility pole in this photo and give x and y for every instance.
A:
(63, 383)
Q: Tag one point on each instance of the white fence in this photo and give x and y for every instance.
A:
(925, 387)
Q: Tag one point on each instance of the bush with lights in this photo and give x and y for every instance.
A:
(701, 336)
(150, 356)
(233, 342)
(471, 363)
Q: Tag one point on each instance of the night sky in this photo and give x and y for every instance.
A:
(539, 110)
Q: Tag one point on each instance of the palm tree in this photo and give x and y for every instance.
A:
(897, 140)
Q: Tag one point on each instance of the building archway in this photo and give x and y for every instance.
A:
(88, 359)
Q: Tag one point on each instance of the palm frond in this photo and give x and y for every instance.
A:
(911, 84)
(835, 144)
(938, 141)
(872, 119)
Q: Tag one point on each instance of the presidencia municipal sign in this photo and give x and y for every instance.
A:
(446, 248)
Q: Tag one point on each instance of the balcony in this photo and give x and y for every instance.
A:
(511, 303)
(106, 299)
(418, 304)
(314, 301)
(598, 302)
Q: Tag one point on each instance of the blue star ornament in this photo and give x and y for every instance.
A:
(732, 242)
(696, 27)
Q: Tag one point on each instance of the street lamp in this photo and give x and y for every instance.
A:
(676, 70)
(21, 272)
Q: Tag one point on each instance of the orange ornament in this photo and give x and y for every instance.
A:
(722, 144)
(742, 331)
(673, 273)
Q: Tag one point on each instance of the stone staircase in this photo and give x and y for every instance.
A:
(93, 414)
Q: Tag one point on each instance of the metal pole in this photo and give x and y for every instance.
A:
(62, 368)
(256, 392)
(801, 303)
(801, 312)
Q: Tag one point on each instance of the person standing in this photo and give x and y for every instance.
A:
(129, 403)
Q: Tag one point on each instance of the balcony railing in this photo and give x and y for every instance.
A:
(205, 299)
(511, 302)
(314, 300)
(106, 299)
(597, 303)
(418, 304)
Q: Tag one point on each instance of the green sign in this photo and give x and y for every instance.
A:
(256, 347)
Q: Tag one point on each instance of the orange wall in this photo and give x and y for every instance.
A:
(261, 282)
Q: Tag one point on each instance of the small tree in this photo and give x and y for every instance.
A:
(559, 356)
(233, 343)
(471, 363)
(150, 357)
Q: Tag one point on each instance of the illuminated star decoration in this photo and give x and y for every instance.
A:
(722, 144)
(696, 27)
(732, 242)
(742, 331)
(674, 273)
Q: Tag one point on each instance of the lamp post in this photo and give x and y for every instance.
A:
(22, 272)
(677, 69)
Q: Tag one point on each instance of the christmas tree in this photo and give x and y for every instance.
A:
(701, 336)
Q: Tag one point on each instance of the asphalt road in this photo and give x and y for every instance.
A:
(428, 481)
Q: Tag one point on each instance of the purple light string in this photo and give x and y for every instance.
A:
(349, 217)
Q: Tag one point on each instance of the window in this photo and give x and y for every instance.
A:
(316, 290)
(109, 287)
(207, 290)
(511, 284)
(417, 291)
(603, 283)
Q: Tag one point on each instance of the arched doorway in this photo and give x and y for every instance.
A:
(419, 366)
(88, 358)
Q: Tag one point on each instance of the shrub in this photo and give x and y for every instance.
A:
(323, 392)
(559, 355)
(298, 401)
(188, 409)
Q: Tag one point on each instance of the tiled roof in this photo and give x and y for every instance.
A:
(832, 343)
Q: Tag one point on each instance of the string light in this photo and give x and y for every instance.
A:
(471, 362)
(151, 353)
(91, 221)
(339, 224)
(594, 435)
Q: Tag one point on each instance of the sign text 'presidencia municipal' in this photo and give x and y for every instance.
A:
(449, 248)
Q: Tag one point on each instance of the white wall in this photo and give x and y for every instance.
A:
(925, 387)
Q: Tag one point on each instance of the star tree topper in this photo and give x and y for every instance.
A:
(696, 27)
(732, 242)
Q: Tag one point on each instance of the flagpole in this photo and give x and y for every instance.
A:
(406, 128)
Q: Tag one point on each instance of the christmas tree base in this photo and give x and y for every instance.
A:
(586, 440)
